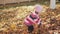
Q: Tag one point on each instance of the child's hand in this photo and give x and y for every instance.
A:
(35, 25)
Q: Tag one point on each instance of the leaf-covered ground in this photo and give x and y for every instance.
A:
(12, 19)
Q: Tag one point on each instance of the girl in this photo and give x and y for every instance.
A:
(33, 18)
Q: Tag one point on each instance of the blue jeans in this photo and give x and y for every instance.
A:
(30, 28)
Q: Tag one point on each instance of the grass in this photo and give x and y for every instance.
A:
(20, 4)
(7, 6)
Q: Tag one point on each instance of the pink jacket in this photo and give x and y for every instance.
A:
(29, 21)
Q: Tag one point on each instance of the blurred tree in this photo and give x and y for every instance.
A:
(52, 4)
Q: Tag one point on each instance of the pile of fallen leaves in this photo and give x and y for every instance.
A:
(51, 21)
(11, 20)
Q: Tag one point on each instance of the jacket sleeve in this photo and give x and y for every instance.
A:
(39, 22)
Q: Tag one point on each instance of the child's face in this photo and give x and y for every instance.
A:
(36, 12)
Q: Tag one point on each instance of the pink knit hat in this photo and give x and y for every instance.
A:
(38, 8)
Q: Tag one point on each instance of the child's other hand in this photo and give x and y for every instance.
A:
(48, 25)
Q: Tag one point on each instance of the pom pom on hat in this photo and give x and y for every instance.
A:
(38, 8)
